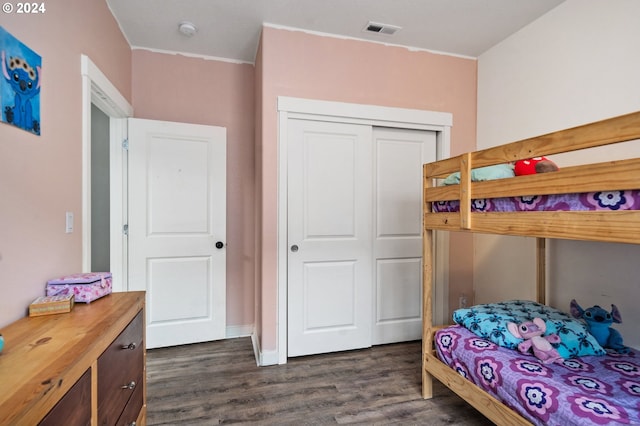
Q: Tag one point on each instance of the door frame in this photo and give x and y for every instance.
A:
(99, 91)
(378, 116)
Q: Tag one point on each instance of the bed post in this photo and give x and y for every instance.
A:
(427, 294)
(465, 191)
(541, 270)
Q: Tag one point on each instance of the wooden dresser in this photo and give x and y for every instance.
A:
(86, 367)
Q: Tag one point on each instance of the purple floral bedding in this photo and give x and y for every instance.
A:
(611, 200)
(590, 390)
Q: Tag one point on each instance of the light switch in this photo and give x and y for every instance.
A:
(69, 223)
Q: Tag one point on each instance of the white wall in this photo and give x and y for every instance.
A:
(577, 64)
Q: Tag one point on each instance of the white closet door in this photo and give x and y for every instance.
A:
(330, 237)
(397, 244)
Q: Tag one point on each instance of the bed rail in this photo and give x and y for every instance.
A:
(610, 226)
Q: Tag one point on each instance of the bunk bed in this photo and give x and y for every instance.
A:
(460, 207)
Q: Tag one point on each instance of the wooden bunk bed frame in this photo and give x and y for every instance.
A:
(608, 226)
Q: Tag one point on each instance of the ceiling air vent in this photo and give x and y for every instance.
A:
(378, 28)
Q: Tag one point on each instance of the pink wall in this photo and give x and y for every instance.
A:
(307, 66)
(41, 176)
(191, 90)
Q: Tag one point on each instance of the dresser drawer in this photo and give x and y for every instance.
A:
(132, 409)
(74, 409)
(120, 370)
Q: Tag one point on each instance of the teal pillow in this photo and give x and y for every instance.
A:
(499, 171)
(489, 321)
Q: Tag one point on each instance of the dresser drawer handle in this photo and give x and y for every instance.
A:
(130, 346)
(130, 386)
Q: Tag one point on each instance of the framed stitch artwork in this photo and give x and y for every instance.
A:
(20, 84)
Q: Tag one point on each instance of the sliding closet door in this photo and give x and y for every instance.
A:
(330, 237)
(397, 242)
(354, 235)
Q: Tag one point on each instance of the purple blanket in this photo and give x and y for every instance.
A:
(593, 390)
(611, 200)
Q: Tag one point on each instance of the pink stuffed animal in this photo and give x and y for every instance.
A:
(532, 333)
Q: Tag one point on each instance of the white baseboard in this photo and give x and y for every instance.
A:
(233, 331)
(256, 348)
(263, 359)
(269, 358)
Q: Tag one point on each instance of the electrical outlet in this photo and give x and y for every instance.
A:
(462, 302)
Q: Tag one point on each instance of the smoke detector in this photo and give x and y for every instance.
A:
(378, 28)
(187, 28)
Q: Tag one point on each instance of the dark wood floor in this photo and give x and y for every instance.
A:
(219, 382)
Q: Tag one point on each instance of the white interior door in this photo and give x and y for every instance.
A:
(329, 235)
(397, 243)
(177, 229)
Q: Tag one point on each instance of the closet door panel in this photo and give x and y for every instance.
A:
(397, 243)
(329, 234)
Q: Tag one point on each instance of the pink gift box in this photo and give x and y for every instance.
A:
(86, 287)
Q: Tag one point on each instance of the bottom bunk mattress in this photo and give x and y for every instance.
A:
(595, 390)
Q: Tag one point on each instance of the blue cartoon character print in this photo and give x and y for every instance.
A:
(25, 82)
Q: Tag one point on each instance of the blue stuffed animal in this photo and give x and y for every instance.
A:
(599, 324)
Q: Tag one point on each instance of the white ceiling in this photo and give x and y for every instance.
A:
(230, 29)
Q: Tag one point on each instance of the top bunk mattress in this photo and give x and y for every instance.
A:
(587, 201)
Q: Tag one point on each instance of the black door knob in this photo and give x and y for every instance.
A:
(219, 244)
